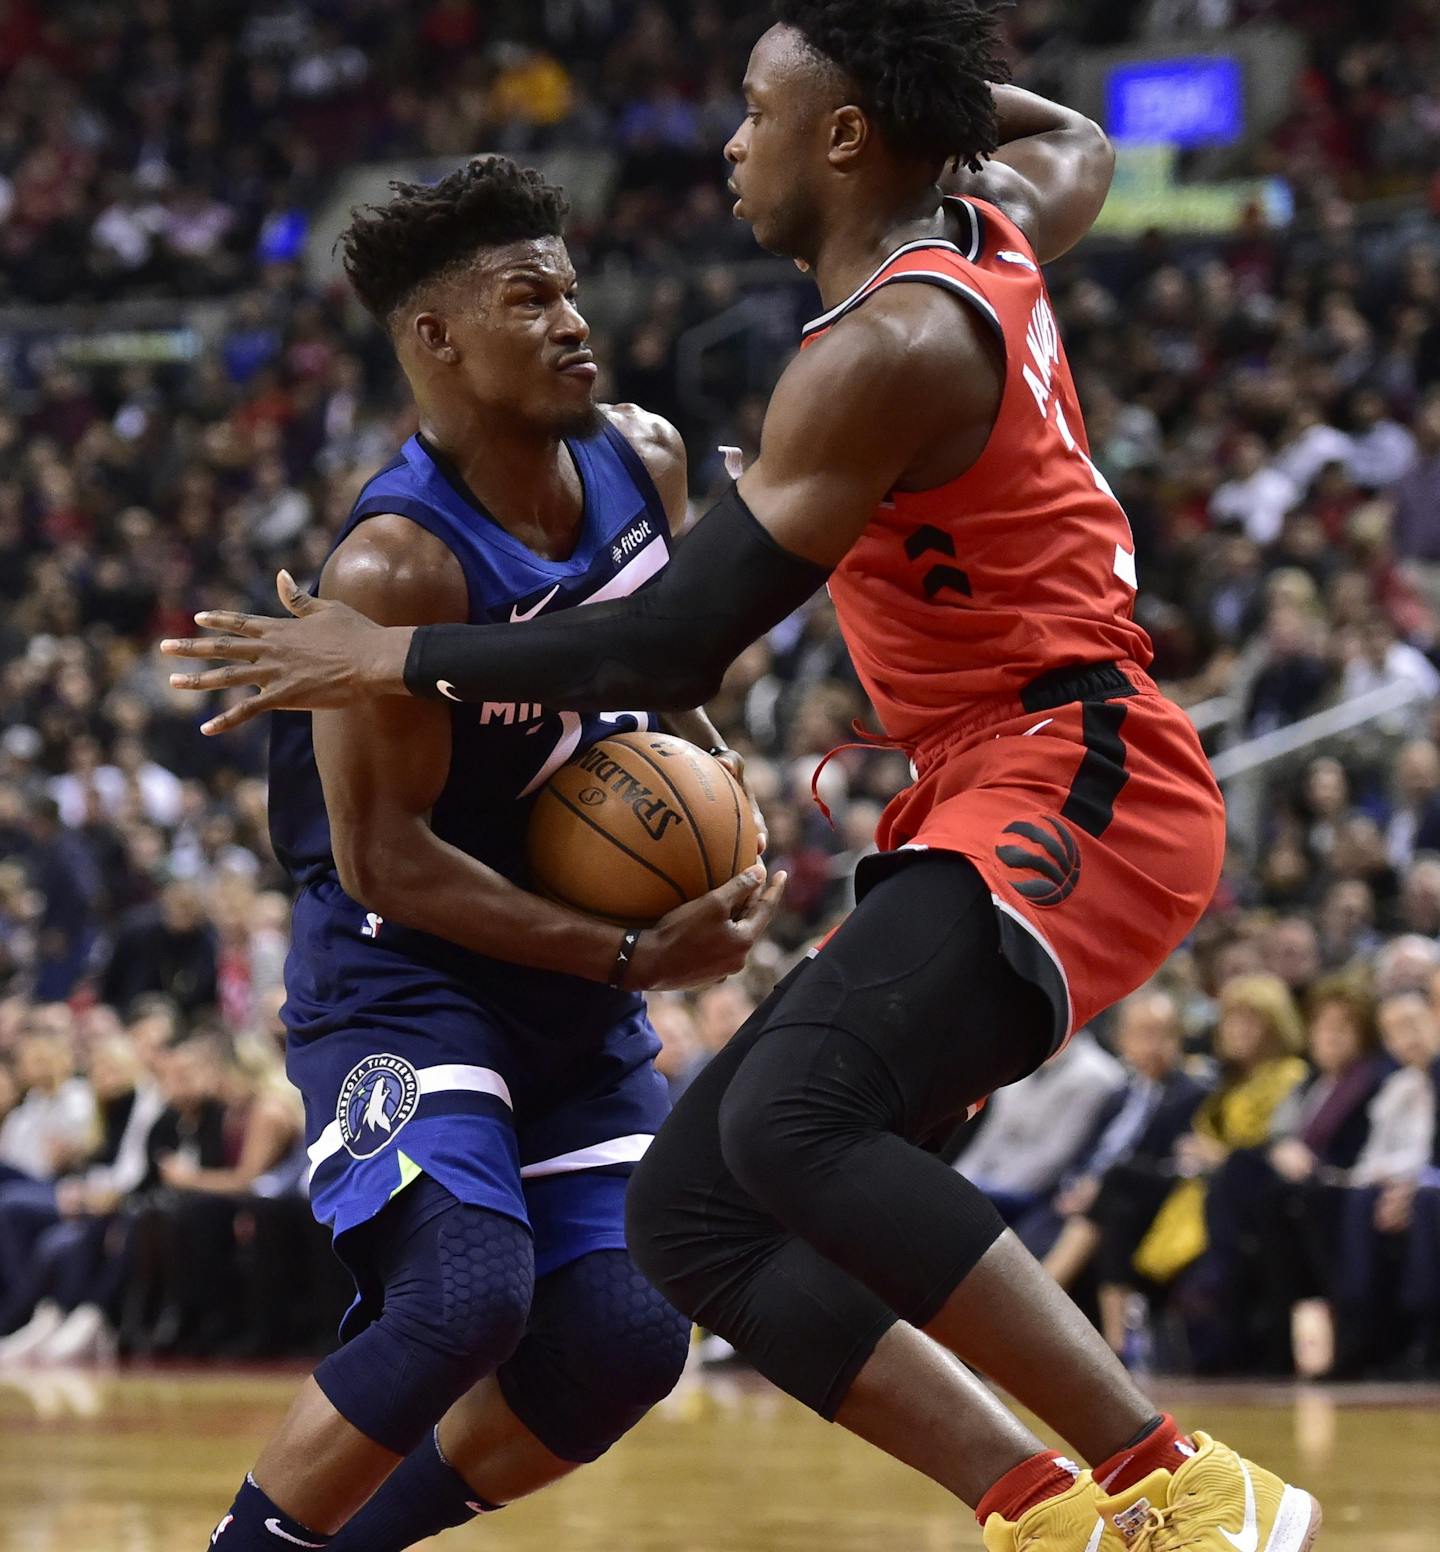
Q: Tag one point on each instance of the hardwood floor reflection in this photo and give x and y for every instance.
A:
(147, 1462)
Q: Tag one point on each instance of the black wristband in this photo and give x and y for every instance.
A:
(624, 956)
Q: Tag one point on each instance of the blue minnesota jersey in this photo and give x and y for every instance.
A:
(502, 752)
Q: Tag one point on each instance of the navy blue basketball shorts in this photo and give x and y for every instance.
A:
(454, 1091)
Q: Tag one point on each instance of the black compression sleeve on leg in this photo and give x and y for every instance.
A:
(666, 646)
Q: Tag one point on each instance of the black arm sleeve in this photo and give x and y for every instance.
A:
(665, 647)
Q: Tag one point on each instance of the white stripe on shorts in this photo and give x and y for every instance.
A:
(619, 1150)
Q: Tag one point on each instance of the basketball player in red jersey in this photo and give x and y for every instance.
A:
(925, 456)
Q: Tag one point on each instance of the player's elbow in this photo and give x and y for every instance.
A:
(1100, 152)
(374, 870)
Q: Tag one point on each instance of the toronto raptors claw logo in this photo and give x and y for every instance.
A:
(1049, 871)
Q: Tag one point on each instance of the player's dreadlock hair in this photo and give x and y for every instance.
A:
(922, 68)
(391, 249)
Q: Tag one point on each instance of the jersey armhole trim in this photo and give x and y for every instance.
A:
(859, 294)
(935, 277)
(977, 228)
(635, 467)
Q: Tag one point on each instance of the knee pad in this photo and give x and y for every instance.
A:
(602, 1348)
(456, 1302)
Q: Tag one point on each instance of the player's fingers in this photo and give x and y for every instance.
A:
(192, 646)
(223, 678)
(238, 649)
(762, 908)
(294, 597)
(240, 713)
(229, 620)
(731, 897)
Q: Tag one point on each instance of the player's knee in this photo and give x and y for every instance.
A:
(777, 1129)
(486, 1267)
(635, 1339)
(454, 1312)
(605, 1347)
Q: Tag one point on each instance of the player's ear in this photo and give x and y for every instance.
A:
(434, 335)
(849, 135)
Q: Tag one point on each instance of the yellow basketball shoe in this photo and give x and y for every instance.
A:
(1215, 1502)
(1068, 1522)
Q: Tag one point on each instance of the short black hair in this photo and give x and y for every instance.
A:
(425, 229)
(922, 68)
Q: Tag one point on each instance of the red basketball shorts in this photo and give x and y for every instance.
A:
(1096, 824)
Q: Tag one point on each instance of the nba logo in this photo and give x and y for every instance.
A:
(373, 924)
(377, 1098)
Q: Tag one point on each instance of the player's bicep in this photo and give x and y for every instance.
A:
(852, 414)
(383, 762)
(838, 434)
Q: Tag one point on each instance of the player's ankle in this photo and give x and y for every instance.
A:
(256, 1523)
(1041, 1476)
(1158, 1446)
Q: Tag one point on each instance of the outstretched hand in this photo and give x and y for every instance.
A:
(326, 655)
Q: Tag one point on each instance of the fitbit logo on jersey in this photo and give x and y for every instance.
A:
(653, 812)
(630, 541)
(379, 1095)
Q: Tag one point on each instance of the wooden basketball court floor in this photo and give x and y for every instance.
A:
(92, 1461)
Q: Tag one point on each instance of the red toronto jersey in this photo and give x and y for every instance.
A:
(1025, 563)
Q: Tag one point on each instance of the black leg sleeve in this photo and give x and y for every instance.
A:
(909, 1015)
(786, 1203)
(716, 1255)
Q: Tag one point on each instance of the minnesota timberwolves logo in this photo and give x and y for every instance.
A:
(377, 1098)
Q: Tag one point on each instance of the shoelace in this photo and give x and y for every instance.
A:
(1158, 1534)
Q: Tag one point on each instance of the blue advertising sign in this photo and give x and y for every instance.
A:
(1179, 102)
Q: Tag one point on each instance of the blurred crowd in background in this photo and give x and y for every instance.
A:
(1238, 1169)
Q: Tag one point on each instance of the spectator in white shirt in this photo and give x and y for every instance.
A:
(1375, 658)
(1402, 1113)
(54, 1125)
(1310, 443)
(1256, 497)
(1382, 450)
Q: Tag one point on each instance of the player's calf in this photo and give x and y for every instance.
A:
(603, 1347)
(457, 1282)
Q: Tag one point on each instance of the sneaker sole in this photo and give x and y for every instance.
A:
(1297, 1522)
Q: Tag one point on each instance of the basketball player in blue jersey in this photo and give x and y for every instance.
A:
(475, 1060)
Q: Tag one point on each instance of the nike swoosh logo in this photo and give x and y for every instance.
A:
(446, 689)
(1095, 1535)
(516, 616)
(1249, 1538)
(277, 1529)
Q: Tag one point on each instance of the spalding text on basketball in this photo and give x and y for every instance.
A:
(653, 812)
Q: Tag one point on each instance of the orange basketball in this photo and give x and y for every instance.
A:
(636, 825)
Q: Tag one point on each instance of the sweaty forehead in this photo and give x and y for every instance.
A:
(783, 64)
(545, 257)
